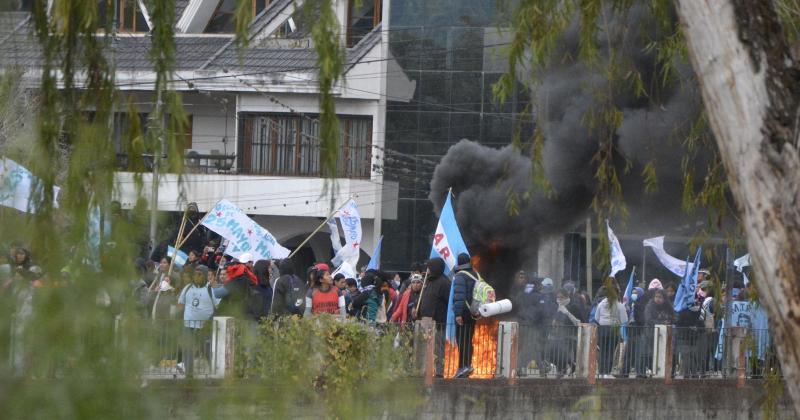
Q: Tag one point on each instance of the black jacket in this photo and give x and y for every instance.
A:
(655, 314)
(463, 286)
(436, 293)
(288, 297)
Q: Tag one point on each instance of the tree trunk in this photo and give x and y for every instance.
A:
(751, 89)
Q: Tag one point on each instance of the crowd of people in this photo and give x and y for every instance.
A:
(549, 319)
(210, 284)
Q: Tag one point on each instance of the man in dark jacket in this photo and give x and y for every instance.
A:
(261, 270)
(433, 305)
(463, 286)
(288, 298)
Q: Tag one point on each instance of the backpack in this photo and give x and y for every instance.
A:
(297, 295)
(482, 293)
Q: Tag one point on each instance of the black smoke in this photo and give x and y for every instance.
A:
(485, 180)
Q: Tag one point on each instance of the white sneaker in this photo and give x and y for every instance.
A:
(606, 376)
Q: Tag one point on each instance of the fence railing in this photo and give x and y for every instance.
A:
(224, 347)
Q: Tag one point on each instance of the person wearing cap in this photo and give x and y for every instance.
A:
(198, 305)
(463, 287)
(408, 300)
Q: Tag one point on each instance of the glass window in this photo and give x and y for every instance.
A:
(362, 18)
(282, 144)
(223, 22)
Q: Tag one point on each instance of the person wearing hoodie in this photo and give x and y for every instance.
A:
(261, 309)
(236, 289)
(433, 306)
(463, 287)
(657, 312)
(288, 297)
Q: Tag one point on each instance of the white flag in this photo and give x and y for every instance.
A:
(350, 220)
(16, 185)
(618, 262)
(740, 263)
(675, 265)
(244, 234)
(336, 242)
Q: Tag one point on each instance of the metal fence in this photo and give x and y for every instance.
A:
(168, 348)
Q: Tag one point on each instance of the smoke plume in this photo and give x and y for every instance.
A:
(653, 128)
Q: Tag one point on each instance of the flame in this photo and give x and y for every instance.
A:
(484, 351)
(484, 348)
(450, 359)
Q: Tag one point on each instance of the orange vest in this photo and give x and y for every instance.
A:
(325, 302)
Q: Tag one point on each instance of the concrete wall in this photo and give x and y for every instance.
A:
(620, 399)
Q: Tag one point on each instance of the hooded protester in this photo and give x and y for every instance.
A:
(358, 302)
(657, 312)
(537, 306)
(436, 293)
(261, 270)
(433, 305)
(463, 287)
(288, 297)
(690, 339)
(238, 282)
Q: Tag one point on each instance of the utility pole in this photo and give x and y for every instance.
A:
(155, 124)
(589, 256)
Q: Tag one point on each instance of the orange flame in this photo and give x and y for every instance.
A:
(484, 351)
(484, 348)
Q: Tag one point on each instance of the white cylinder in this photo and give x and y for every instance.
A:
(495, 308)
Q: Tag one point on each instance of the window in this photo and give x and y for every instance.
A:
(129, 15)
(361, 19)
(283, 144)
(222, 21)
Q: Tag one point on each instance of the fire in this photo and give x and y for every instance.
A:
(484, 348)
(484, 351)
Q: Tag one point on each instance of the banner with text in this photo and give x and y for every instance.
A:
(244, 234)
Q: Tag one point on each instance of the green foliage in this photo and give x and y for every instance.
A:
(342, 366)
(242, 18)
(330, 61)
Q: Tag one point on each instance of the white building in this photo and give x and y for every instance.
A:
(253, 113)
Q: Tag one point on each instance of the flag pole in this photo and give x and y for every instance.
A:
(189, 235)
(424, 282)
(172, 260)
(324, 222)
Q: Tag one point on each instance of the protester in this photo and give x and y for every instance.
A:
(260, 309)
(352, 293)
(690, 339)
(239, 281)
(433, 306)
(324, 297)
(378, 301)
(198, 304)
(289, 295)
(408, 300)
(610, 315)
(562, 339)
(463, 287)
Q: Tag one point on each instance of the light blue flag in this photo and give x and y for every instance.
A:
(180, 257)
(375, 260)
(684, 296)
(447, 244)
(626, 299)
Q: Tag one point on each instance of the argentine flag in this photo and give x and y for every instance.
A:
(447, 244)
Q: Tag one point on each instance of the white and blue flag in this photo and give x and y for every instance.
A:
(375, 261)
(178, 258)
(18, 185)
(675, 265)
(447, 244)
(618, 262)
(684, 296)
